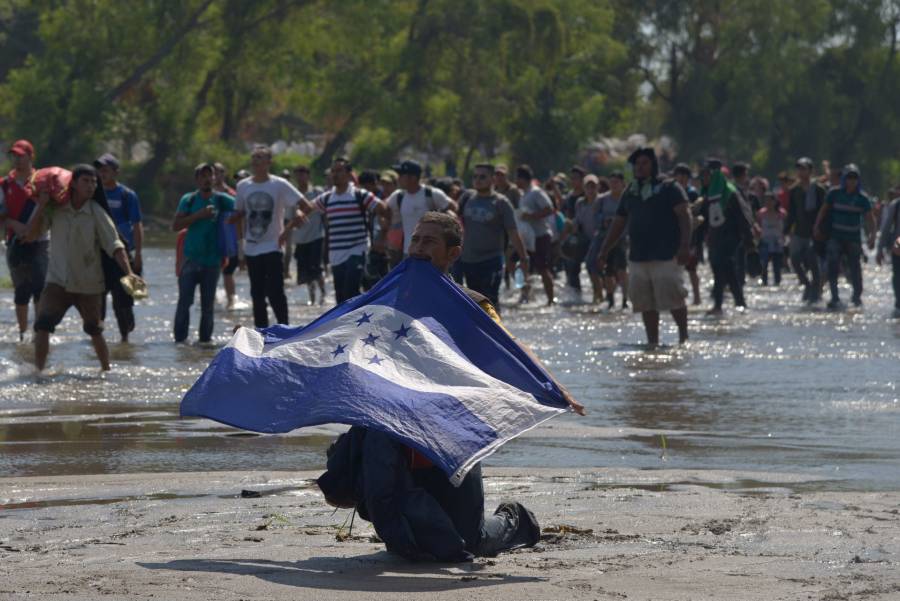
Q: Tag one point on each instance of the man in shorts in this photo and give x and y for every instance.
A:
(535, 207)
(80, 229)
(659, 229)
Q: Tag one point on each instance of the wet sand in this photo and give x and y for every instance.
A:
(608, 534)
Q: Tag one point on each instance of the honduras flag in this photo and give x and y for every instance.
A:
(414, 357)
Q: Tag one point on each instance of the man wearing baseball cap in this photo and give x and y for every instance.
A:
(27, 262)
(125, 209)
(411, 200)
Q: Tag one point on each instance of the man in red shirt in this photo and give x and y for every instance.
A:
(27, 262)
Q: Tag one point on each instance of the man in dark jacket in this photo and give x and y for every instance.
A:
(804, 202)
(730, 232)
(415, 509)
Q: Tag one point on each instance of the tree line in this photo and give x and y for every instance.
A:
(167, 84)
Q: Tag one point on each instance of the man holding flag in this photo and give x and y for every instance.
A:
(434, 383)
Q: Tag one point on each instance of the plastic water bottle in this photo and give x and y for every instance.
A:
(520, 278)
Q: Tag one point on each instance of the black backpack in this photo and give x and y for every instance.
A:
(360, 195)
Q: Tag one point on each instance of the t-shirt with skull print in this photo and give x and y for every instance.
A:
(265, 206)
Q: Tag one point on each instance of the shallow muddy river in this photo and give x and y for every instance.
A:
(781, 388)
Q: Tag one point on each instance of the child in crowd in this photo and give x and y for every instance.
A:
(771, 220)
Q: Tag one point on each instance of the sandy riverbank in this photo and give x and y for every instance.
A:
(609, 534)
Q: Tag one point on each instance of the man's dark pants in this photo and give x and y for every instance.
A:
(419, 514)
(852, 251)
(266, 274)
(123, 304)
(194, 274)
(723, 260)
(895, 263)
(483, 277)
(348, 277)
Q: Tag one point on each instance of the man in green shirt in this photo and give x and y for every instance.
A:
(842, 216)
(199, 212)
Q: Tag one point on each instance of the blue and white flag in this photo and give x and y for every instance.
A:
(414, 357)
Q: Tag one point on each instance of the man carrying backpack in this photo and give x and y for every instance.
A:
(410, 201)
(346, 209)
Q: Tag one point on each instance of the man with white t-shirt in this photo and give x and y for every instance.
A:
(346, 209)
(263, 202)
(411, 200)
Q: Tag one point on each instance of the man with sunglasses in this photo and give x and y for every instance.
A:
(488, 219)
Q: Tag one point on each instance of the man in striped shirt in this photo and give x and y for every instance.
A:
(847, 208)
(347, 211)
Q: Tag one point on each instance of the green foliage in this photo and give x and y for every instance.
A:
(168, 84)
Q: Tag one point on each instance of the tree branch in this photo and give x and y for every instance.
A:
(159, 55)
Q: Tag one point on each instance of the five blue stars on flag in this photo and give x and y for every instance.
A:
(402, 332)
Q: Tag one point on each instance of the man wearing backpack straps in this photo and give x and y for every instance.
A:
(125, 209)
(488, 219)
(198, 211)
(411, 201)
(346, 209)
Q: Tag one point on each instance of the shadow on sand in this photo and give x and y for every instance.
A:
(377, 572)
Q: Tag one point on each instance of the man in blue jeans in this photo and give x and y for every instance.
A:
(488, 219)
(198, 212)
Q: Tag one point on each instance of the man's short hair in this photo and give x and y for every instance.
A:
(739, 169)
(83, 169)
(348, 166)
(450, 228)
(301, 169)
(219, 166)
(261, 149)
(368, 177)
(617, 175)
(204, 167)
(524, 172)
(682, 169)
(487, 166)
(579, 170)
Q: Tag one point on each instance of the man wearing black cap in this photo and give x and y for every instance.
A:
(27, 262)
(411, 200)
(198, 211)
(659, 230)
(125, 209)
(805, 199)
(845, 211)
(80, 230)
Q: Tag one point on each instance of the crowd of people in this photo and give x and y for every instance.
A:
(636, 235)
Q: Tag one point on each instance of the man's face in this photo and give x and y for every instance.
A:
(260, 162)
(804, 173)
(681, 178)
(205, 180)
(852, 182)
(107, 175)
(428, 243)
(22, 162)
(481, 179)
(591, 190)
(302, 177)
(500, 180)
(340, 175)
(85, 186)
(643, 167)
(408, 181)
(577, 180)
(388, 186)
(616, 185)
(219, 177)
